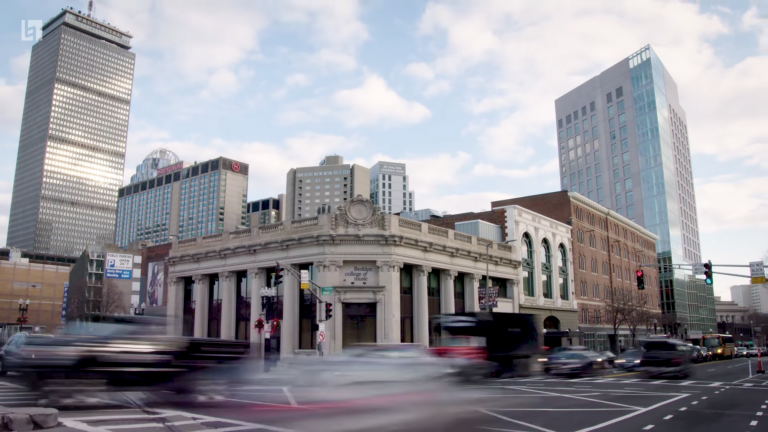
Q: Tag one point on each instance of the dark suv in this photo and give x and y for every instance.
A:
(666, 357)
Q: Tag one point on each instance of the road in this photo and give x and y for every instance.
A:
(719, 396)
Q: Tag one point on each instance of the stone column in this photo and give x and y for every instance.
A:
(201, 305)
(421, 306)
(289, 326)
(175, 306)
(328, 276)
(228, 305)
(512, 294)
(389, 278)
(471, 284)
(257, 279)
(447, 300)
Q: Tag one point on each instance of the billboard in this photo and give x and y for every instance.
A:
(488, 298)
(64, 303)
(119, 266)
(170, 168)
(155, 283)
(390, 168)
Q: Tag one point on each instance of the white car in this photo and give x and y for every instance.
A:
(752, 352)
(740, 352)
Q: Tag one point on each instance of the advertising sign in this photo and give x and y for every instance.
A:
(488, 297)
(119, 266)
(170, 168)
(155, 283)
(64, 303)
(360, 273)
(388, 168)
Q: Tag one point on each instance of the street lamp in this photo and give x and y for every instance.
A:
(487, 269)
(23, 308)
(268, 295)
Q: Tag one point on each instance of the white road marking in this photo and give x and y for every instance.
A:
(759, 413)
(687, 383)
(618, 419)
(683, 409)
(629, 388)
(562, 409)
(704, 398)
(582, 387)
(748, 385)
(694, 402)
(290, 397)
(763, 406)
(260, 403)
(649, 427)
(715, 384)
(668, 417)
(516, 421)
(138, 425)
(588, 399)
(498, 429)
(754, 423)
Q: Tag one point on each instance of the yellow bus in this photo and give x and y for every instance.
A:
(719, 345)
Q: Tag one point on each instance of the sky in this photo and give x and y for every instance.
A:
(461, 91)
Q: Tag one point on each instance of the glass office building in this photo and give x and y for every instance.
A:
(623, 142)
(73, 136)
(204, 198)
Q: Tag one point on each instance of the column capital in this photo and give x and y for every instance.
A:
(226, 276)
(449, 274)
(474, 277)
(390, 266)
(423, 269)
(328, 265)
(257, 271)
(199, 278)
(173, 280)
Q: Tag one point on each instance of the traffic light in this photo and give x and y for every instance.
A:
(328, 311)
(278, 276)
(640, 276)
(708, 279)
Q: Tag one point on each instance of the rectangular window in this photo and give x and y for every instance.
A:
(578, 150)
(570, 132)
(618, 200)
(594, 132)
(578, 139)
(588, 145)
(589, 184)
(628, 183)
(623, 131)
(570, 142)
(630, 197)
(622, 118)
(630, 211)
(611, 124)
(561, 136)
(610, 111)
(599, 180)
(591, 195)
(583, 111)
(577, 129)
(599, 193)
(624, 144)
(620, 211)
(584, 123)
(596, 143)
(613, 135)
(625, 157)
(581, 188)
(615, 161)
(619, 93)
(565, 181)
(594, 119)
(574, 188)
(609, 98)
(573, 177)
(591, 107)
(589, 171)
(617, 187)
(616, 175)
(568, 119)
(627, 171)
(581, 175)
(571, 155)
(620, 106)
(559, 123)
(575, 115)
(572, 166)
(613, 148)
(586, 135)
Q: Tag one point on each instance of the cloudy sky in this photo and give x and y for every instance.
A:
(461, 91)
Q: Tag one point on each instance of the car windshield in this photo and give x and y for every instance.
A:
(631, 353)
(660, 346)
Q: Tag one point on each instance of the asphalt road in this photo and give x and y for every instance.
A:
(719, 396)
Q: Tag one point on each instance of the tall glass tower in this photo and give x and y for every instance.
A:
(623, 142)
(73, 136)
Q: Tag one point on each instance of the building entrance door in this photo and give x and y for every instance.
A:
(359, 324)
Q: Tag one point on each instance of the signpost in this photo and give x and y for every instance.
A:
(321, 336)
(119, 266)
(757, 272)
(488, 297)
(326, 290)
(698, 269)
(305, 279)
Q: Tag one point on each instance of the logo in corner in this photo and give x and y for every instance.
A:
(235, 167)
(31, 30)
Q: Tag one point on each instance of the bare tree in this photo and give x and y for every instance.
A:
(620, 310)
(112, 300)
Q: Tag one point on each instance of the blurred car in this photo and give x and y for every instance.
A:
(572, 363)
(607, 358)
(561, 349)
(666, 358)
(752, 352)
(702, 355)
(629, 359)
(741, 351)
(12, 353)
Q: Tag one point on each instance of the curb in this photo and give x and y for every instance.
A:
(27, 419)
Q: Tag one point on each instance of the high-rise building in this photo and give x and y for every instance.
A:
(157, 160)
(322, 188)
(623, 142)
(183, 201)
(754, 297)
(73, 136)
(266, 211)
(389, 188)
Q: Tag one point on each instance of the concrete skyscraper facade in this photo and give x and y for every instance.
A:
(623, 142)
(390, 189)
(73, 136)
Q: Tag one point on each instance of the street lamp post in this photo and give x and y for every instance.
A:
(267, 302)
(487, 270)
(23, 308)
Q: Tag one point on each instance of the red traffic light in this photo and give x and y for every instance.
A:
(708, 266)
(639, 273)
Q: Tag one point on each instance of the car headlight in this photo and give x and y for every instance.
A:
(599, 360)
(719, 350)
(620, 361)
(543, 360)
(637, 361)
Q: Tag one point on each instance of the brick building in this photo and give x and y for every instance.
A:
(607, 249)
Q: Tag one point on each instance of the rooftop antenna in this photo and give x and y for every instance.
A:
(90, 8)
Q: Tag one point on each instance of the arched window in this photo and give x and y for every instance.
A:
(563, 272)
(528, 281)
(546, 270)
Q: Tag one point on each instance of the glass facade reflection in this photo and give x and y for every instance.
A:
(73, 137)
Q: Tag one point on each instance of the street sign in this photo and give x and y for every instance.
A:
(698, 269)
(119, 266)
(321, 326)
(326, 290)
(757, 272)
(305, 279)
(487, 298)
(321, 336)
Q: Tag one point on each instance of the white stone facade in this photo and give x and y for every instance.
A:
(361, 253)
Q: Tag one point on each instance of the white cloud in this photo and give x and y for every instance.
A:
(327, 58)
(371, 103)
(753, 21)
(428, 174)
(437, 88)
(20, 65)
(296, 80)
(725, 203)
(419, 70)
(461, 203)
(11, 105)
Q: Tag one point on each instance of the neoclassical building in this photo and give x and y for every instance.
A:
(384, 277)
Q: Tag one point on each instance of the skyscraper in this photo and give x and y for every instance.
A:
(322, 188)
(623, 142)
(73, 136)
(389, 188)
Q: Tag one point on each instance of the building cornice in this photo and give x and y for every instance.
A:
(581, 199)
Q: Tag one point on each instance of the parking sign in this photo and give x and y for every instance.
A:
(119, 266)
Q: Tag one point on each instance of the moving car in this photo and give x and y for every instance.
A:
(666, 358)
(741, 351)
(720, 346)
(702, 355)
(607, 358)
(629, 359)
(13, 352)
(572, 363)
(752, 351)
